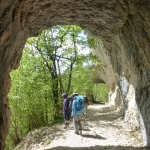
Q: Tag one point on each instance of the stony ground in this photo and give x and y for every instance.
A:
(102, 130)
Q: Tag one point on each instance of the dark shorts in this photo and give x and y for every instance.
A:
(67, 115)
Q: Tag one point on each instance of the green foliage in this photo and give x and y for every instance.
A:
(100, 92)
(92, 42)
(51, 64)
(29, 97)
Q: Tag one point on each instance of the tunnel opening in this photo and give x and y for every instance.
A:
(100, 93)
(45, 65)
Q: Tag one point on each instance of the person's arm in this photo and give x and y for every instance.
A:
(66, 103)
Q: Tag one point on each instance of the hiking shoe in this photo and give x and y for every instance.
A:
(65, 127)
(76, 132)
(80, 132)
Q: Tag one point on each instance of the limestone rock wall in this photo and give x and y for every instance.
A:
(122, 26)
(121, 93)
(106, 74)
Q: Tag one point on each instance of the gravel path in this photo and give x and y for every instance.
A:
(102, 130)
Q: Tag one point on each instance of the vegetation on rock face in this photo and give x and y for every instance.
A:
(52, 63)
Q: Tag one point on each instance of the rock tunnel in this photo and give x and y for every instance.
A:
(123, 30)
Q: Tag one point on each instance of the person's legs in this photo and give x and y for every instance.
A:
(79, 124)
(86, 108)
(66, 118)
(75, 124)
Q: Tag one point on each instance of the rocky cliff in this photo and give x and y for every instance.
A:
(123, 27)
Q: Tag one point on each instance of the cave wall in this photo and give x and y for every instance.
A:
(122, 26)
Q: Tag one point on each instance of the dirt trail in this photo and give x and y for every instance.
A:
(102, 130)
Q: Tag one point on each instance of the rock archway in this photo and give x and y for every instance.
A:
(123, 28)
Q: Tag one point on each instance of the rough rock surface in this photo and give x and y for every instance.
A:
(122, 26)
(102, 129)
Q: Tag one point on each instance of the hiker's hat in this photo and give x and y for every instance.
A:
(73, 94)
(64, 95)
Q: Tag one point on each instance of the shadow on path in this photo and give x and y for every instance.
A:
(98, 148)
(93, 136)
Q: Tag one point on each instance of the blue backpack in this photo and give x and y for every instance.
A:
(78, 105)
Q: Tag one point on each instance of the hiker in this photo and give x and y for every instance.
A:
(86, 100)
(66, 110)
(70, 99)
(76, 112)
